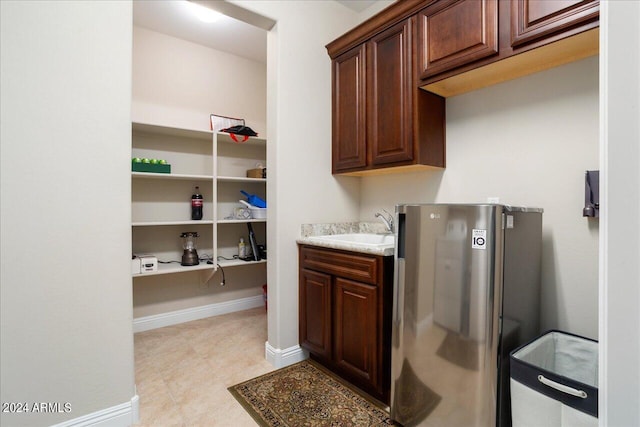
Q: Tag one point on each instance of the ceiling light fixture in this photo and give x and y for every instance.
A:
(203, 13)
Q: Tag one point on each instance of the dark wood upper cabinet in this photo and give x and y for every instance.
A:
(456, 32)
(380, 117)
(349, 111)
(532, 36)
(391, 88)
(392, 73)
(533, 20)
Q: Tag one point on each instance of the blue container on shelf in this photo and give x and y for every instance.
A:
(254, 200)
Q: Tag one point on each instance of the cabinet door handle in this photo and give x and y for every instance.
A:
(561, 387)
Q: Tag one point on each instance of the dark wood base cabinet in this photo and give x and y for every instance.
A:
(345, 315)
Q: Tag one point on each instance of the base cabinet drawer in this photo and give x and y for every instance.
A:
(340, 263)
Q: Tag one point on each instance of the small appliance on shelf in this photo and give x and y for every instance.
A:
(190, 254)
(143, 263)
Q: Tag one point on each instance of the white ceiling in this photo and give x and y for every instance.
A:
(172, 17)
(357, 5)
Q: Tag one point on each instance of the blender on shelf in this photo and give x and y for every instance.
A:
(190, 254)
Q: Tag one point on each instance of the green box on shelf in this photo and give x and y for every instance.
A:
(150, 167)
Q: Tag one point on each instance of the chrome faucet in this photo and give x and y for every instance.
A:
(388, 220)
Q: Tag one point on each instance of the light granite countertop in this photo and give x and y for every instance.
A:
(310, 230)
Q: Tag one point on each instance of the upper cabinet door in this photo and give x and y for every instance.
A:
(453, 33)
(535, 19)
(349, 149)
(390, 95)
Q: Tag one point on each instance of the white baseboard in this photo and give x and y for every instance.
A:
(122, 415)
(281, 358)
(155, 321)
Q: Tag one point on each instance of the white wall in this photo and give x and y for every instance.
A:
(619, 381)
(65, 145)
(528, 142)
(180, 83)
(301, 188)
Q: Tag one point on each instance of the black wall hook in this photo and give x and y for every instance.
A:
(591, 194)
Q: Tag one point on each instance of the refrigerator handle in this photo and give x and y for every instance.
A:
(400, 238)
(398, 285)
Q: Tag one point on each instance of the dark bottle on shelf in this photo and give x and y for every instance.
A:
(196, 204)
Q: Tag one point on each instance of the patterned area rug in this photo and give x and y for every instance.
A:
(306, 394)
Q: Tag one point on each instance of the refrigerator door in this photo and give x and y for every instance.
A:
(446, 310)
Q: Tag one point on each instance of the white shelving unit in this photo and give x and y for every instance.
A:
(160, 203)
(158, 223)
(150, 175)
(230, 168)
(240, 179)
(175, 268)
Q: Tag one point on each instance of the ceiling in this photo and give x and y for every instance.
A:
(356, 5)
(174, 18)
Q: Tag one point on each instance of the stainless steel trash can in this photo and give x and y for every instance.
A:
(554, 382)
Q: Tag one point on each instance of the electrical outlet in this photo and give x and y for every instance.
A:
(495, 200)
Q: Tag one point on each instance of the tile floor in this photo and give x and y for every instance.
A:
(183, 371)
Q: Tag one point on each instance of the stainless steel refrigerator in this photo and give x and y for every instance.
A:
(466, 292)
